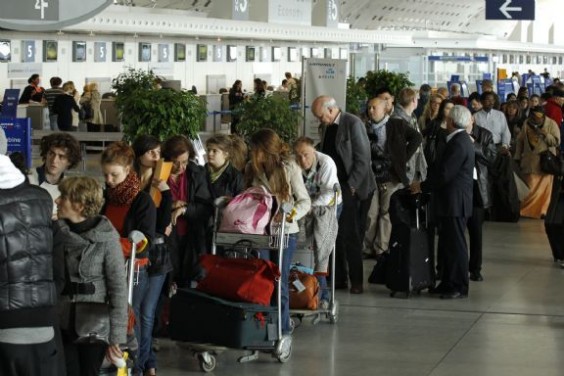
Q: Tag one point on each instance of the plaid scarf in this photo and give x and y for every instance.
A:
(126, 191)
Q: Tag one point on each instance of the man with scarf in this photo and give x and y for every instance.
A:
(396, 140)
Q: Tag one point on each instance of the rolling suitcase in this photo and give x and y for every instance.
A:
(202, 318)
(409, 263)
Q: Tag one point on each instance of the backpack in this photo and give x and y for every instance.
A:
(248, 212)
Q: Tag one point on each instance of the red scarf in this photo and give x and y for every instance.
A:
(126, 191)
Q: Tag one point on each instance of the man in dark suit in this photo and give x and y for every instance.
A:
(452, 181)
(344, 138)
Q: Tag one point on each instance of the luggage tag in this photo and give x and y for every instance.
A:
(299, 285)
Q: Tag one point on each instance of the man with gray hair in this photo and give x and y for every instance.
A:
(452, 181)
(344, 139)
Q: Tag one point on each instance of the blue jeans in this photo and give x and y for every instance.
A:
(145, 298)
(53, 124)
(285, 276)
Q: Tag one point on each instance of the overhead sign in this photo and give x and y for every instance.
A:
(510, 10)
(39, 15)
(294, 12)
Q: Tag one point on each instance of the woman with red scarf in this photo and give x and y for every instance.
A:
(129, 208)
(33, 92)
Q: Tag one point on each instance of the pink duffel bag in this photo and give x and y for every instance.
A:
(248, 212)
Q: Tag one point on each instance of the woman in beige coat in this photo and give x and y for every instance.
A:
(92, 98)
(538, 134)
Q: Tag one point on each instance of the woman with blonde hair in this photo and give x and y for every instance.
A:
(90, 102)
(430, 112)
(273, 167)
(89, 268)
(65, 106)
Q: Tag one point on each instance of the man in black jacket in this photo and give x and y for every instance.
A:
(452, 180)
(392, 139)
(27, 289)
(344, 138)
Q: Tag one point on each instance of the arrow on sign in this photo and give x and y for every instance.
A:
(505, 9)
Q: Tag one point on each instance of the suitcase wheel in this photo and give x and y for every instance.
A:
(283, 350)
(334, 314)
(207, 361)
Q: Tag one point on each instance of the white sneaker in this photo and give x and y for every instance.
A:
(324, 304)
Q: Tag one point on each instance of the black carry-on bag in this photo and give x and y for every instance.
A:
(409, 264)
(554, 220)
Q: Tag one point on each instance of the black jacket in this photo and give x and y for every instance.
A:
(27, 288)
(63, 106)
(485, 153)
(199, 209)
(402, 142)
(230, 183)
(452, 180)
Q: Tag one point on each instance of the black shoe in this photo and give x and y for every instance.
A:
(454, 295)
(368, 256)
(476, 277)
(341, 286)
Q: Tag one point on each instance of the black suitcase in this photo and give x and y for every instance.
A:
(409, 265)
(201, 318)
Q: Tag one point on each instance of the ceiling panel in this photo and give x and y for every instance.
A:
(430, 15)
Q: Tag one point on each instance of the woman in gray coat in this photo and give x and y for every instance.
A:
(89, 268)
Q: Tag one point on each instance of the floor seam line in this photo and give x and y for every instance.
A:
(455, 344)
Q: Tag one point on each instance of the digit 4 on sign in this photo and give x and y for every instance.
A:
(41, 5)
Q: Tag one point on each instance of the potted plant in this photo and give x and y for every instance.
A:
(146, 109)
(383, 78)
(272, 112)
(356, 97)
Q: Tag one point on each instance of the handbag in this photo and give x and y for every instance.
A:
(238, 279)
(305, 293)
(378, 275)
(550, 163)
(92, 322)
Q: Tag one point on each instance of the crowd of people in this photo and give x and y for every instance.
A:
(76, 235)
(67, 107)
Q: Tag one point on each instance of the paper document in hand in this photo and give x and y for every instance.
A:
(162, 172)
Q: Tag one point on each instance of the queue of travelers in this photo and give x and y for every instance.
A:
(80, 230)
(68, 109)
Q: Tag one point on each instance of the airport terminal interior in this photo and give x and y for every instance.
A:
(510, 324)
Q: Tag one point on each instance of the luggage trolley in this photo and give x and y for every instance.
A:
(331, 312)
(271, 338)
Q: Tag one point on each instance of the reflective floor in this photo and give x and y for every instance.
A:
(511, 324)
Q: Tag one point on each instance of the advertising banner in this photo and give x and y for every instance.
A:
(18, 133)
(322, 77)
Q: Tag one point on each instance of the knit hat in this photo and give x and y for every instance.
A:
(10, 176)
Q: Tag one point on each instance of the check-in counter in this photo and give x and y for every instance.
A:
(110, 115)
(38, 113)
(213, 104)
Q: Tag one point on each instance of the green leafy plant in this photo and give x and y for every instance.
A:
(356, 96)
(383, 78)
(272, 112)
(145, 109)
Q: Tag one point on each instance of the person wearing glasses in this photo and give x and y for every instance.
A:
(191, 208)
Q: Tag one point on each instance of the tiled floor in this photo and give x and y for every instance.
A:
(511, 324)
